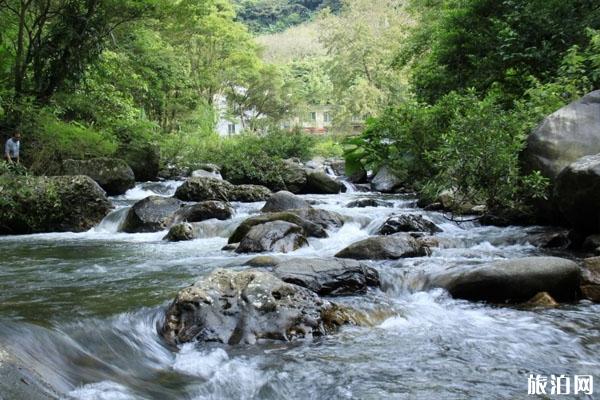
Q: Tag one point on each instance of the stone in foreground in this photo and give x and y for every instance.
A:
(275, 236)
(244, 306)
(112, 174)
(513, 281)
(408, 223)
(392, 247)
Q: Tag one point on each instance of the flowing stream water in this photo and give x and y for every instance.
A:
(81, 310)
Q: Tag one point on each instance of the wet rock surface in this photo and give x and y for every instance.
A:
(385, 181)
(152, 214)
(275, 236)
(242, 307)
(392, 247)
(204, 189)
(284, 200)
(112, 174)
(203, 211)
(362, 203)
(408, 223)
(319, 182)
(309, 228)
(181, 232)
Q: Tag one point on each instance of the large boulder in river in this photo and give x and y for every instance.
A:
(326, 277)
(152, 214)
(112, 174)
(318, 182)
(392, 247)
(276, 236)
(408, 223)
(204, 210)
(577, 193)
(513, 281)
(325, 218)
(284, 200)
(565, 136)
(309, 228)
(293, 175)
(235, 307)
(203, 189)
(249, 193)
(385, 181)
(50, 204)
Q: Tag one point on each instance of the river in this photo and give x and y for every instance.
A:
(81, 310)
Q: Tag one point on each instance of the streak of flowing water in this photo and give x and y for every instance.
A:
(81, 311)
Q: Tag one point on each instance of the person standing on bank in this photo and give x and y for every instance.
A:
(12, 147)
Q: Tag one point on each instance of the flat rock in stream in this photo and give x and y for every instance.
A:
(513, 281)
(408, 223)
(392, 247)
(322, 276)
(284, 200)
(310, 228)
(275, 236)
(243, 306)
(152, 214)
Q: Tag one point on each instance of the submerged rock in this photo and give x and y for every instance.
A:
(309, 228)
(362, 203)
(408, 223)
(244, 306)
(318, 182)
(112, 174)
(181, 232)
(385, 181)
(275, 236)
(392, 247)
(322, 276)
(204, 210)
(284, 200)
(513, 281)
(152, 214)
(203, 189)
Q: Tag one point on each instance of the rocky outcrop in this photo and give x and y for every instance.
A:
(152, 214)
(392, 247)
(577, 193)
(275, 236)
(565, 136)
(181, 232)
(513, 281)
(362, 203)
(408, 223)
(310, 229)
(204, 210)
(112, 174)
(284, 200)
(235, 307)
(323, 276)
(293, 175)
(318, 182)
(385, 181)
(50, 204)
(203, 189)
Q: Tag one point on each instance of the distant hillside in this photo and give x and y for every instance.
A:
(269, 16)
(297, 42)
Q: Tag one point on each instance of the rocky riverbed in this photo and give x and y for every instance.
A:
(360, 306)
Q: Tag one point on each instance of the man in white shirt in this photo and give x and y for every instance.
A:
(12, 148)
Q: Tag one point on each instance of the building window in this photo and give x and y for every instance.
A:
(313, 116)
(231, 129)
(327, 117)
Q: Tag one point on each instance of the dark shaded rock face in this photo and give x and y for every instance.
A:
(362, 203)
(52, 204)
(294, 176)
(309, 228)
(590, 279)
(323, 276)
(513, 281)
(391, 247)
(408, 223)
(565, 136)
(203, 189)
(276, 236)
(577, 193)
(180, 232)
(318, 182)
(241, 307)
(144, 160)
(204, 210)
(152, 214)
(284, 200)
(385, 181)
(112, 174)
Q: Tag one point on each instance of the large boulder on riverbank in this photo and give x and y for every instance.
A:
(408, 223)
(513, 281)
(235, 307)
(152, 214)
(275, 236)
(326, 277)
(392, 247)
(50, 204)
(309, 228)
(565, 136)
(204, 210)
(284, 200)
(203, 189)
(385, 181)
(318, 182)
(112, 174)
(577, 193)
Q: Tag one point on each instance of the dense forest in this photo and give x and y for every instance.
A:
(449, 89)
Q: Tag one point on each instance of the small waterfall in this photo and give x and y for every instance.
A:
(112, 222)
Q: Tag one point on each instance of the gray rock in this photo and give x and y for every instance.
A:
(249, 193)
(319, 182)
(204, 210)
(392, 247)
(385, 181)
(309, 228)
(242, 307)
(112, 174)
(152, 214)
(181, 232)
(565, 136)
(326, 219)
(408, 223)
(361, 203)
(513, 281)
(338, 166)
(275, 236)
(577, 193)
(203, 189)
(294, 176)
(284, 200)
